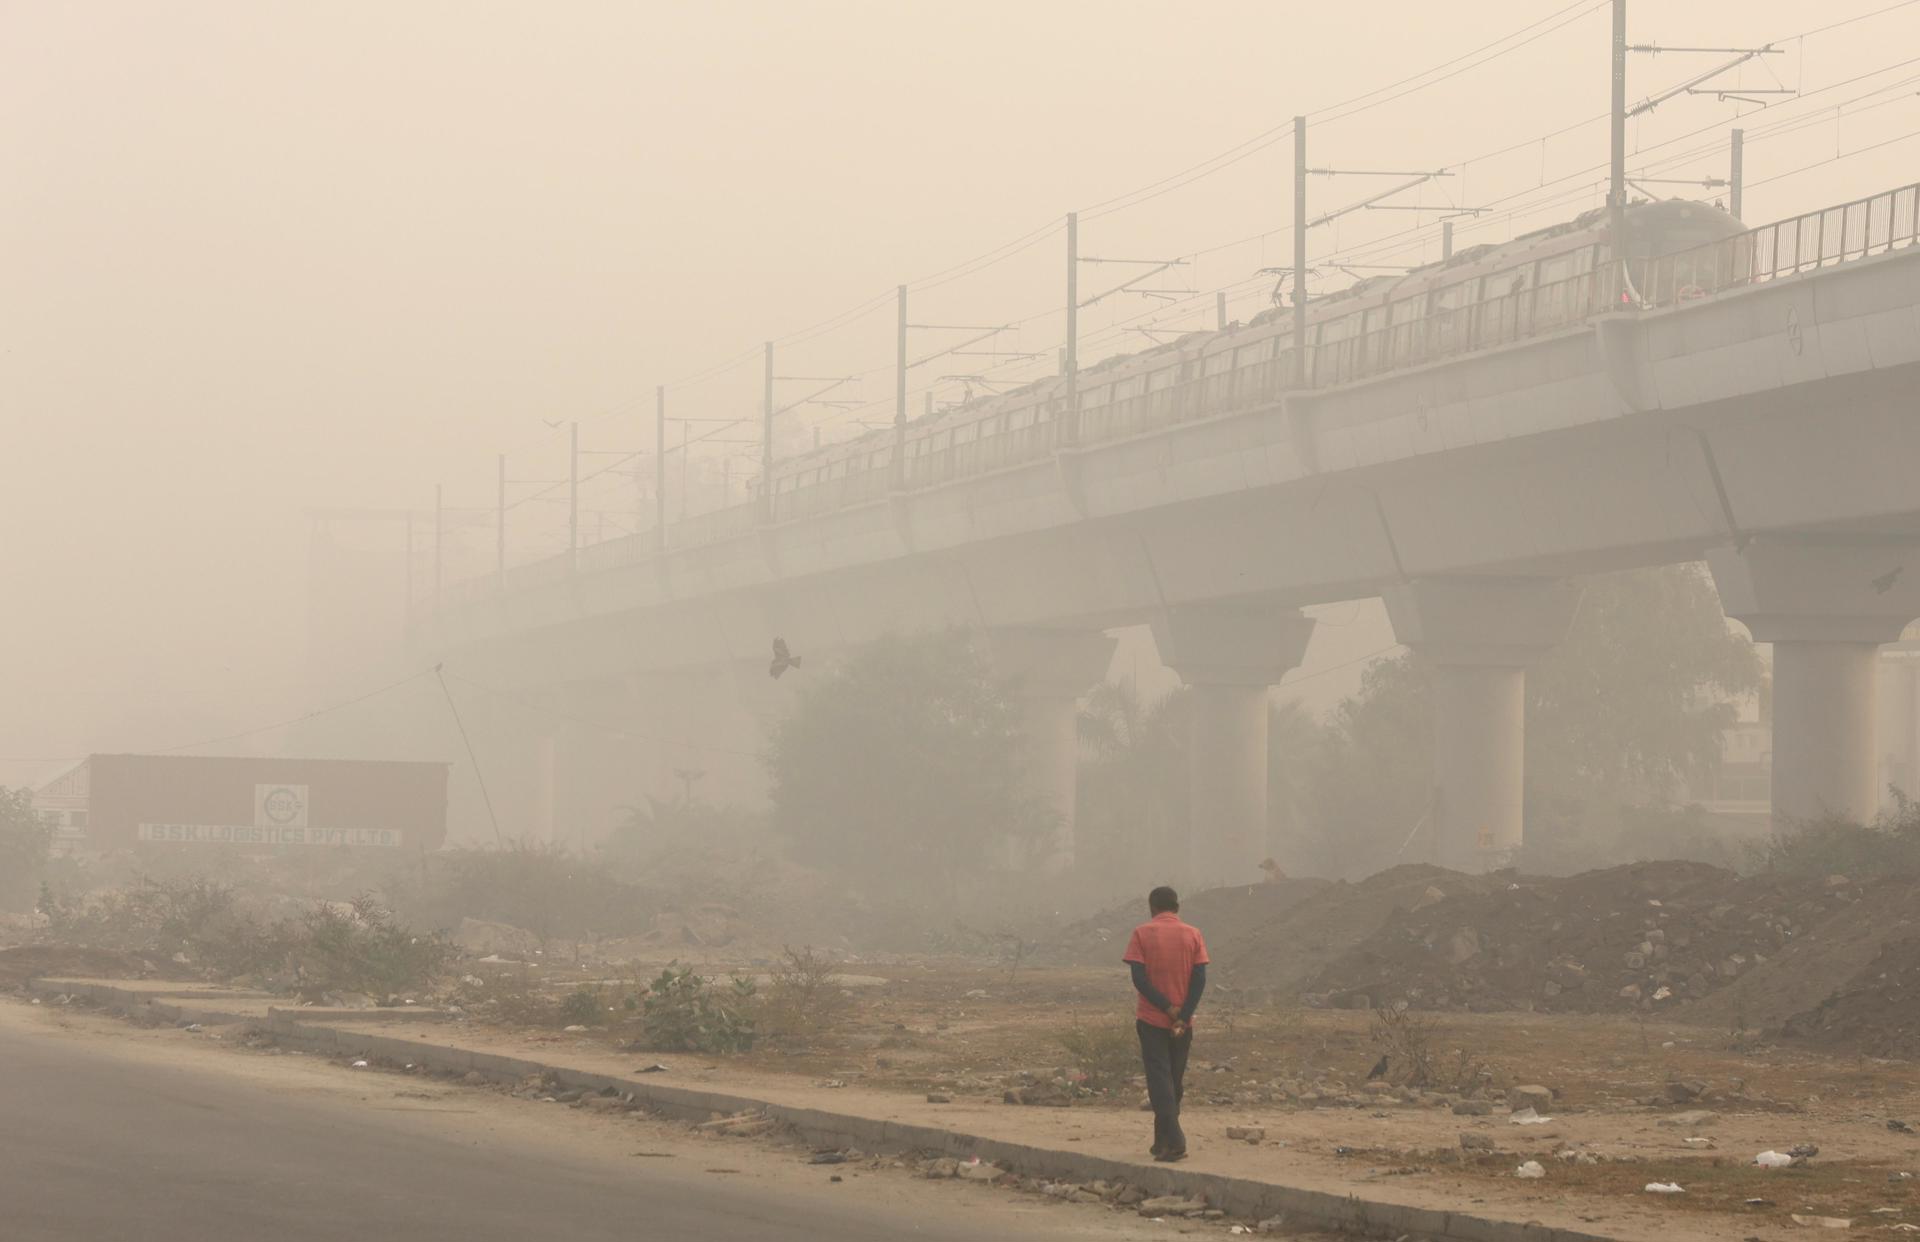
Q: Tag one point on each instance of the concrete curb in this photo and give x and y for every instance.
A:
(1237, 1196)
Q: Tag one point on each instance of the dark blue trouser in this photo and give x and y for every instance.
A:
(1165, 1059)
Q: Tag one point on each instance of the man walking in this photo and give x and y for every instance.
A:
(1169, 962)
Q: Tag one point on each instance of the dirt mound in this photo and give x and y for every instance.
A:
(1224, 915)
(1648, 935)
(31, 961)
(1875, 1013)
(1804, 972)
(1283, 953)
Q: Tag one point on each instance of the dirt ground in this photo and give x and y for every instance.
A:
(1622, 1087)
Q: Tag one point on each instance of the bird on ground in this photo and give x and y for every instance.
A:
(1378, 1070)
(782, 659)
(1884, 582)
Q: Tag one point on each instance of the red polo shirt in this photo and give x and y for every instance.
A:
(1169, 949)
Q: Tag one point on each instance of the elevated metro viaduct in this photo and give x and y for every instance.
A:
(1769, 426)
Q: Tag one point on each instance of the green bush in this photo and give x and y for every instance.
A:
(586, 1005)
(1889, 846)
(196, 918)
(203, 923)
(682, 1011)
(25, 842)
(365, 949)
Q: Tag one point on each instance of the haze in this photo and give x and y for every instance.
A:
(262, 259)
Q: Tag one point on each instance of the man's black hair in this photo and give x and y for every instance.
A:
(1163, 900)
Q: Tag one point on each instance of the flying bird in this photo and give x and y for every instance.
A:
(1884, 582)
(552, 422)
(782, 659)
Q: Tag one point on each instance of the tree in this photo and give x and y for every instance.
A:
(25, 842)
(1131, 817)
(1635, 700)
(1369, 785)
(904, 764)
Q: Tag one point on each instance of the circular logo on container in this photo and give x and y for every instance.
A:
(283, 806)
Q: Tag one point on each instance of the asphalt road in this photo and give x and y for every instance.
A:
(96, 1147)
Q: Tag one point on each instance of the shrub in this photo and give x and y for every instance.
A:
(506, 992)
(1108, 1054)
(1889, 846)
(25, 842)
(586, 1005)
(1405, 1039)
(682, 1011)
(803, 1002)
(365, 949)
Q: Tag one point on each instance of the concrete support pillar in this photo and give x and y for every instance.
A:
(1478, 635)
(1479, 762)
(1826, 604)
(1050, 671)
(1824, 758)
(1229, 654)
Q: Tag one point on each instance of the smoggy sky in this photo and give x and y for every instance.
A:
(265, 257)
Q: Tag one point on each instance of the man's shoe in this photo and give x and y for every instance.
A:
(1168, 1157)
(1155, 1150)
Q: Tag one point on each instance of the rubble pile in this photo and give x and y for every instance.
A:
(1642, 936)
(1281, 954)
(1226, 915)
(1874, 1013)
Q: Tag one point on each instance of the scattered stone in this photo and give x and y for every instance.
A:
(1473, 1108)
(939, 1097)
(1247, 1134)
(1686, 1090)
(1172, 1205)
(1690, 1120)
(1538, 1098)
(1473, 1140)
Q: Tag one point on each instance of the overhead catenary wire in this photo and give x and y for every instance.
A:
(1518, 204)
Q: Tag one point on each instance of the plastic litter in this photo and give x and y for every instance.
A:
(1822, 1222)
(1531, 1168)
(1665, 1188)
(359, 1065)
(1773, 1160)
(1528, 1116)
